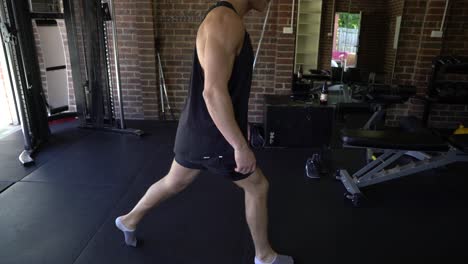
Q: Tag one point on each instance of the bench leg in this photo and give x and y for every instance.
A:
(377, 171)
(348, 182)
(353, 192)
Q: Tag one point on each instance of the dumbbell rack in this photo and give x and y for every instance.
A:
(445, 91)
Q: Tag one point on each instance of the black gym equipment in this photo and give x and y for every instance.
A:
(87, 23)
(23, 69)
(441, 88)
(430, 151)
(91, 77)
(426, 148)
(376, 98)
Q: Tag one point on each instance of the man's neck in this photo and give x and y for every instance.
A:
(241, 7)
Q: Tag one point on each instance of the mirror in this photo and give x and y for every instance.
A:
(360, 35)
(346, 40)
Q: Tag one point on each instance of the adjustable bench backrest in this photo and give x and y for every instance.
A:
(421, 141)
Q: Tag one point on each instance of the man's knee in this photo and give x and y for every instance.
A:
(262, 187)
(257, 184)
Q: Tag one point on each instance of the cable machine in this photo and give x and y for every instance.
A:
(23, 70)
(89, 40)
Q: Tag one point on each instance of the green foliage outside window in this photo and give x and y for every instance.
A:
(348, 20)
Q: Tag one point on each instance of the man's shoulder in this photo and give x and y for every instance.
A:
(223, 21)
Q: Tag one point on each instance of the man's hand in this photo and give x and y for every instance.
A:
(245, 160)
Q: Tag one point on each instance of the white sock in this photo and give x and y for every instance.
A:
(130, 238)
(257, 261)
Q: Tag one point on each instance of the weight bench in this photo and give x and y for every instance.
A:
(430, 151)
(375, 99)
(382, 96)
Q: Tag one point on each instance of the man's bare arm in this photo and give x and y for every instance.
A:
(219, 54)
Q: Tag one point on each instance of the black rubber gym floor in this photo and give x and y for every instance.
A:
(62, 209)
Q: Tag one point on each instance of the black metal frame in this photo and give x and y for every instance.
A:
(383, 168)
(442, 65)
(70, 22)
(96, 111)
(37, 15)
(19, 45)
(25, 73)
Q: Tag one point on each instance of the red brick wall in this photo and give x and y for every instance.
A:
(456, 37)
(147, 56)
(417, 49)
(136, 41)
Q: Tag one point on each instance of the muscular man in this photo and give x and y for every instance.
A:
(213, 125)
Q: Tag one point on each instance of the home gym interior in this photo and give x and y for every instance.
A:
(357, 118)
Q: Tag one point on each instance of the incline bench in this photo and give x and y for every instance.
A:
(430, 151)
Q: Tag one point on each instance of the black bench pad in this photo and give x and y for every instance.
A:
(423, 141)
(460, 142)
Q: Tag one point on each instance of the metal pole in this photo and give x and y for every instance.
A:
(161, 72)
(16, 59)
(161, 92)
(117, 65)
(292, 13)
(83, 26)
(445, 13)
(30, 6)
(29, 76)
(261, 37)
(73, 48)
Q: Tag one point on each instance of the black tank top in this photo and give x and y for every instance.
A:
(197, 135)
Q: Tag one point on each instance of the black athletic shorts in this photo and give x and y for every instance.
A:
(219, 165)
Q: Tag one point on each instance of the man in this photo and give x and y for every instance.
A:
(213, 125)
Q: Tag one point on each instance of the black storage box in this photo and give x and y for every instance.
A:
(290, 123)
